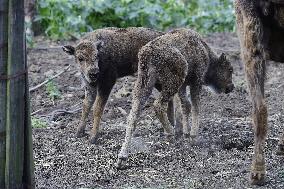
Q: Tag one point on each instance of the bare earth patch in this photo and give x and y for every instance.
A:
(220, 160)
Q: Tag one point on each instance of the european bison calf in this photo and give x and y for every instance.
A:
(103, 56)
(260, 26)
(174, 61)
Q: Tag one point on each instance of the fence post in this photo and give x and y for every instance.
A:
(16, 157)
(3, 85)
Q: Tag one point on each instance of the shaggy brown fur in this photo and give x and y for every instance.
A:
(174, 61)
(103, 56)
(261, 33)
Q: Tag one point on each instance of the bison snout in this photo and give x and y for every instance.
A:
(229, 88)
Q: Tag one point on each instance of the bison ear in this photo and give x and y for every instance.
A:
(222, 57)
(99, 44)
(69, 49)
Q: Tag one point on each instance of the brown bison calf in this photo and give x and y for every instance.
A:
(103, 56)
(174, 61)
(260, 26)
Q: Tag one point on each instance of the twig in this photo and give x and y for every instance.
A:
(62, 111)
(230, 51)
(45, 48)
(35, 112)
(78, 104)
(49, 79)
(59, 111)
(122, 111)
(279, 86)
(76, 88)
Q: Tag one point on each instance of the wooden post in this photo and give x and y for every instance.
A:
(28, 173)
(16, 159)
(3, 85)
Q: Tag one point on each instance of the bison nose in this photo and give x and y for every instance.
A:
(230, 88)
(94, 75)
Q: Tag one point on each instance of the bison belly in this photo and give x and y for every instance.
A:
(274, 33)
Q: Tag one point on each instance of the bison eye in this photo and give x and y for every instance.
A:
(80, 59)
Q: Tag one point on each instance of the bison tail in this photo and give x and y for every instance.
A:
(145, 61)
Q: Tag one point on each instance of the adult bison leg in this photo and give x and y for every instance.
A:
(250, 32)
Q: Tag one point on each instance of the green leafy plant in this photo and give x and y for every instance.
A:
(52, 91)
(212, 16)
(62, 19)
(38, 123)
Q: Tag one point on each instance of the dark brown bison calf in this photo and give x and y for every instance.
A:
(174, 61)
(260, 26)
(103, 56)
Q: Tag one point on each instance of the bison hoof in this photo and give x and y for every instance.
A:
(121, 163)
(170, 138)
(257, 178)
(193, 139)
(93, 139)
(81, 133)
(280, 150)
(186, 135)
(136, 133)
(122, 158)
(178, 134)
(257, 175)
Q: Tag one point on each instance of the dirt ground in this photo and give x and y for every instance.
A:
(221, 159)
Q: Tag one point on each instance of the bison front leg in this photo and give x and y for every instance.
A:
(103, 93)
(90, 95)
(250, 30)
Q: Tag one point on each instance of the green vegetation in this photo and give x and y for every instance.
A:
(66, 18)
(52, 91)
(38, 123)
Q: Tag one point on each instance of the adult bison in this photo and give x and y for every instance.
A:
(260, 26)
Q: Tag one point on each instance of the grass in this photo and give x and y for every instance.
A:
(38, 123)
(53, 91)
